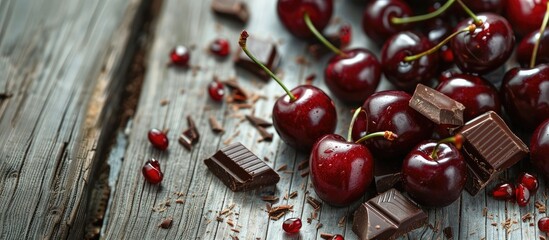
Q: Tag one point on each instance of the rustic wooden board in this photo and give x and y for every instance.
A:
(58, 61)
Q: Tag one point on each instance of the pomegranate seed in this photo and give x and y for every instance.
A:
(180, 56)
(529, 181)
(152, 172)
(345, 35)
(291, 225)
(216, 90)
(523, 195)
(543, 224)
(220, 47)
(504, 191)
(337, 237)
(158, 139)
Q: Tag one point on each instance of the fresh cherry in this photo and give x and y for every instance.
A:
(158, 139)
(220, 47)
(522, 195)
(151, 171)
(487, 47)
(529, 181)
(504, 191)
(292, 12)
(302, 115)
(376, 20)
(526, 47)
(180, 56)
(525, 15)
(389, 111)
(434, 174)
(216, 90)
(495, 6)
(539, 149)
(292, 225)
(543, 224)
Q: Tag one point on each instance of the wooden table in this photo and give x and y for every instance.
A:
(70, 73)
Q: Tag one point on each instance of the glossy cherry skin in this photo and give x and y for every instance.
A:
(539, 149)
(434, 182)
(180, 56)
(376, 20)
(341, 171)
(353, 76)
(152, 172)
(406, 75)
(522, 195)
(220, 47)
(543, 224)
(216, 90)
(292, 225)
(525, 95)
(525, 15)
(291, 12)
(158, 139)
(487, 48)
(477, 6)
(526, 47)
(389, 111)
(301, 122)
(437, 30)
(529, 181)
(474, 92)
(504, 191)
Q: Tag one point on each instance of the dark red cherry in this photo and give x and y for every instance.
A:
(376, 20)
(353, 75)
(434, 181)
(543, 224)
(158, 139)
(525, 15)
(291, 225)
(477, 6)
(437, 30)
(526, 47)
(291, 12)
(529, 181)
(220, 47)
(485, 49)
(504, 191)
(525, 94)
(389, 111)
(539, 149)
(216, 90)
(337, 237)
(180, 56)
(523, 195)
(474, 92)
(151, 171)
(403, 74)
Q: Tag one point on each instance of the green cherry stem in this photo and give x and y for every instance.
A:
(477, 21)
(457, 140)
(541, 30)
(319, 36)
(242, 42)
(353, 120)
(386, 134)
(419, 18)
(469, 28)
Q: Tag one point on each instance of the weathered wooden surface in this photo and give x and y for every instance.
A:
(58, 60)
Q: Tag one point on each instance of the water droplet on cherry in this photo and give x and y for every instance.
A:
(291, 225)
(216, 90)
(220, 47)
(180, 56)
(522, 195)
(504, 191)
(158, 139)
(529, 181)
(152, 172)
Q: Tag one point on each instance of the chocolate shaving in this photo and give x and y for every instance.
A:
(166, 223)
(341, 221)
(215, 126)
(316, 204)
(326, 235)
(258, 121)
(277, 212)
(164, 102)
(303, 164)
(5, 96)
(283, 167)
(265, 136)
(269, 198)
(234, 9)
(304, 173)
(448, 233)
(526, 217)
(293, 194)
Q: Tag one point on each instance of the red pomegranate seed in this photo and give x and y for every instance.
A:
(345, 34)
(529, 181)
(220, 47)
(158, 139)
(523, 195)
(543, 224)
(152, 172)
(337, 237)
(291, 225)
(504, 191)
(216, 90)
(180, 56)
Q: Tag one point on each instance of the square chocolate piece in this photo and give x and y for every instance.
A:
(264, 51)
(235, 9)
(436, 106)
(240, 169)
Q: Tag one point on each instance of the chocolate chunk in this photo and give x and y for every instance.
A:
(265, 136)
(436, 106)
(258, 121)
(264, 51)
(387, 216)
(214, 125)
(190, 136)
(239, 169)
(475, 183)
(234, 9)
(489, 148)
(166, 223)
(387, 181)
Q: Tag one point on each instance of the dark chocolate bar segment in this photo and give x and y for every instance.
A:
(265, 51)
(240, 169)
(235, 9)
(436, 106)
(387, 216)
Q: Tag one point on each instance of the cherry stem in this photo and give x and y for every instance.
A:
(353, 120)
(540, 34)
(419, 18)
(457, 140)
(469, 28)
(242, 42)
(477, 21)
(386, 134)
(319, 36)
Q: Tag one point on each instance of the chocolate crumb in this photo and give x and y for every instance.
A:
(526, 217)
(541, 207)
(258, 121)
(304, 173)
(316, 204)
(266, 159)
(341, 222)
(319, 225)
(309, 220)
(180, 201)
(166, 223)
(303, 164)
(484, 211)
(234, 237)
(326, 235)
(230, 223)
(214, 125)
(235, 230)
(5, 96)
(164, 102)
(219, 219)
(448, 233)
(293, 194)
(265, 136)
(269, 198)
(283, 167)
